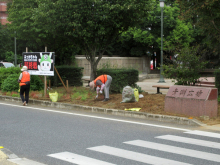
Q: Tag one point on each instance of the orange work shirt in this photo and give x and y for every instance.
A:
(103, 79)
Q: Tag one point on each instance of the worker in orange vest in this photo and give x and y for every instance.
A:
(102, 82)
(24, 80)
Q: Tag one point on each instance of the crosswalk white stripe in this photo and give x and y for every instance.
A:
(204, 133)
(176, 150)
(135, 156)
(190, 141)
(78, 159)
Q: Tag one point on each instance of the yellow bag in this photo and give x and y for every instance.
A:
(132, 109)
(19, 88)
(136, 94)
(53, 96)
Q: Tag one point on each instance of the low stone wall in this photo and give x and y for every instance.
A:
(142, 64)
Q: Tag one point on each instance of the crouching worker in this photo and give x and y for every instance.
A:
(103, 82)
(24, 80)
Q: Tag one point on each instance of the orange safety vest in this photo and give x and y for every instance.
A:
(25, 78)
(103, 79)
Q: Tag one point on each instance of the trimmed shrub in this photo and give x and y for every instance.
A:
(36, 83)
(120, 78)
(6, 72)
(10, 83)
(186, 68)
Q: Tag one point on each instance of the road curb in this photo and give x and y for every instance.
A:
(142, 115)
(10, 158)
(5, 156)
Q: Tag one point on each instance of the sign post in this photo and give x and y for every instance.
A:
(45, 80)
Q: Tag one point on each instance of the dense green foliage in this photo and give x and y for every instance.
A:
(70, 73)
(187, 67)
(5, 72)
(89, 25)
(118, 27)
(6, 42)
(33, 35)
(146, 38)
(36, 83)
(204, 16)
(120, 78)
(10, 83)
(9, 80)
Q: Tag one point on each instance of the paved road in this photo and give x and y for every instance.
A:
(63, 137)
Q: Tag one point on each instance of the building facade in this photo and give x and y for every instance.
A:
(3, 14)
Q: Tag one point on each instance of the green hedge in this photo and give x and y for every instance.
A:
(36, 83)
(72, 74)
(11, 83)
(5, 72)
(217, 78)
(120, 78)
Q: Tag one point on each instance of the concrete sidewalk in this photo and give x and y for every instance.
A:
(147, 84)
(4, 159)
(9, 158)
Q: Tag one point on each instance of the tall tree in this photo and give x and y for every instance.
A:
(34, 35)
(6, 42)
(91, 24)
(147, 36)
(204, 16)
(19, 14)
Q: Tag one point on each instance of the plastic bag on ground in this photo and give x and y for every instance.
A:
(128, 95)
(141, 96)
(136, 94)
(53, 96)
(132, 109)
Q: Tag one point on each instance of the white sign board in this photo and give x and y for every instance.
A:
(39, 63)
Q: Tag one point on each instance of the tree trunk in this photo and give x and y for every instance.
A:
(91, 57)
(93, 70)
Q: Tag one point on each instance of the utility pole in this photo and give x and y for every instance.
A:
(15, 50)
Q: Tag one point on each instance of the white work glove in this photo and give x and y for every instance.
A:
(97, 90)
(96, 96)
(100, 91)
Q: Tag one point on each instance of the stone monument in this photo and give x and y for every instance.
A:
(192, 101)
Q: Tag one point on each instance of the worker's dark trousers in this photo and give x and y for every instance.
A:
(24, 89)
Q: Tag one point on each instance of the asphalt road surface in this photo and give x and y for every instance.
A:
(62, 137)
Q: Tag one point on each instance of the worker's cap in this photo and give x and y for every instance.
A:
(92, 85)
(24, 68)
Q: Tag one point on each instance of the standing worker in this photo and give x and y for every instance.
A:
(102, 82)
(24, 80)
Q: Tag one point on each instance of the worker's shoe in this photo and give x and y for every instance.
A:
(106, 99)
(24, 103)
